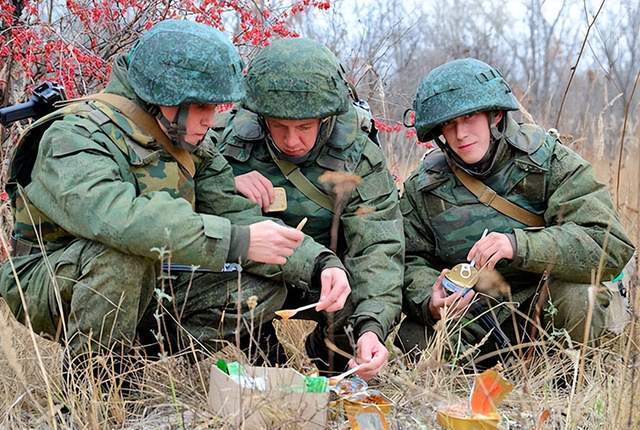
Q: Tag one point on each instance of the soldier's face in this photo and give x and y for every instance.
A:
(294, 137)
(469, 135)
(199, 119)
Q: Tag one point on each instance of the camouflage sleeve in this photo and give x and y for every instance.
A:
(374, 256)
(215, 194)
(583, 233)
(77, 184)
(420, 272)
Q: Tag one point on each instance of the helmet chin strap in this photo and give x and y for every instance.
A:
(497, 130)
(177, 129)
(326, 128)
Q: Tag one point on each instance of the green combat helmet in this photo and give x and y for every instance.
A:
(179, 62)
(458, 88)
(296, 79)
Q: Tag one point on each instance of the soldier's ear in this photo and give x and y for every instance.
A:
(496, 117)
(169, 112)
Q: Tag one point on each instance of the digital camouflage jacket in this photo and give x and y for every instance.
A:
(442, 219)
(99, 177)
(370, 242)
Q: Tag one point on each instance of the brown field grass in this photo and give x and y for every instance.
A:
(598, 390)
(580, 388)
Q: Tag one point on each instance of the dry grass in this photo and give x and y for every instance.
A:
(173, 394)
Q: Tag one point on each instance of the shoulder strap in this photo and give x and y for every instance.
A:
(147, 123)
(26, 149)
(489, 197)
(301, 182)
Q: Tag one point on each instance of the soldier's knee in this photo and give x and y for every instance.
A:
(96, 279)
(109, 266)
(125, 268)
(580, 309)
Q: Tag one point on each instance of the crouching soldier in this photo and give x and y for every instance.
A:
(123, 178)
(301, 147)
(552, 229)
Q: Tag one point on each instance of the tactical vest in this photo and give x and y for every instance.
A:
(352, 141)
(141, 162)
(457, 217)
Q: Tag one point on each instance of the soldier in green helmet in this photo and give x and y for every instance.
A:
(551, 226)
(297, 124)
(105, 186)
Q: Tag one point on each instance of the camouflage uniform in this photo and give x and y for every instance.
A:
(443, 219)
(370, 230)
(104, 199)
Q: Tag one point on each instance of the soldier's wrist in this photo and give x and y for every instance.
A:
(239, 243)
(373, 327)
(519, 252)
(327, 260)
(434, 311)
(431, 314)
(514, 244)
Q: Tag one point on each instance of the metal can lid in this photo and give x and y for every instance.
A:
(463, 275)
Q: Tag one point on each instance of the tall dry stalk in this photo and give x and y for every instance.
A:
(627, 109)
(575, 66)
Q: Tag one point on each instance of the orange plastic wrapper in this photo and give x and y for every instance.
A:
(489, 389)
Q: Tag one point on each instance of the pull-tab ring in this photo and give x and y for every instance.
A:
(465, 271)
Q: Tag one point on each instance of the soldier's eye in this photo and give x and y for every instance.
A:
(447, 125)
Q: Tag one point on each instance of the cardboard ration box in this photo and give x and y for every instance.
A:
(267, 397)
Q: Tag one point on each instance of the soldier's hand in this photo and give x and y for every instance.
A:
(454, 304)
(334, 290)
(272, 243)
(491, 249)
(255, 187)
(371, 353)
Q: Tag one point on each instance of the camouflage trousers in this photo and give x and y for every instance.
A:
(490, 326)
(91, 297)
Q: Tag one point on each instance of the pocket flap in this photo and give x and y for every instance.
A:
(215, 226)
(64, 145)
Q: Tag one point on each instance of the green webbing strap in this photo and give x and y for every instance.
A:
(82, 110)
(301, 182)
(144, 121)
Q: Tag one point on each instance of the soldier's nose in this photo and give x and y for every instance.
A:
(209, 120)
(461, 132)
(288, 140)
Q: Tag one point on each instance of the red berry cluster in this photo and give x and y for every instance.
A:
(75, 47)
(396, 127)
